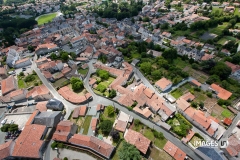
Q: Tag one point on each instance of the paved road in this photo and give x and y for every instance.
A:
(98, 99)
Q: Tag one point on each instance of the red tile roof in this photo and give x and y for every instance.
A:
(163, 83)
(41, 106)
(75, 113)
(82, 110)
(234, 146)
(188, 96)
(69, 95)
(174, 151)
(31, 118)
(29, 143)
(121, 126)
(182, 104)
(232, 66)
(93, 143)
(94, 123)
(17, 93)
(38, 91)
(5, 149)
(188, 137)
(221, 93)
(8, 85)
(194, 81)
(227, 121)
(22, 60)
(138, 140)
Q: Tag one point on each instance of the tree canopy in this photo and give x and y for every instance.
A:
(106, 126)
(129, 152)
(77, 84)
(222, 70)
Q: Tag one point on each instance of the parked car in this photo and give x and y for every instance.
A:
(23, 69)
(4, 121)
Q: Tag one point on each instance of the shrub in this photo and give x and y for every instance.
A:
(21, 74)
(103, 74)
(106, 126)
(158, 134)
(115, 135)
(101, 88)
(65, 158)
(194, 104)
(197, 89)
(29, 78)
(137, 122)
(110, 111)
(112, 93)
(54, 145)
(36, 84)
(209, 94)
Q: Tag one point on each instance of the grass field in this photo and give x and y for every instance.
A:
(226, 38)
(237, 24)
(46, 18)
(83, 71)
(236, 12)
(60, 82)
(177, 93)
(226, 113)
(218, 30)
(21, 84)
(86, 124)
(217, 11)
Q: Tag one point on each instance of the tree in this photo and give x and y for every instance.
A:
(65, 158)
(201, 104)
(236, 58)
(21, 74)
(115, 135)
(101, 88)
(53, 56)
(222, 70)
(110, 111)
(106, 126)
(54, 145)
(137, 122)
(73, 55)
(146, 67)
(29, 78)
(77, 84)
(213, 79)
(64, 55)
(158, 134)
(112, 93)
(156, 74)
(194, 104)
(170, 54)
(129, 152)
(31, 48)
(103, 74)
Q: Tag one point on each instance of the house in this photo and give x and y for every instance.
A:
(211, 153)
(39, 93)
(94, 124)
(188, 97)
(121, 125)
(41, 106)
(64, 131)
(12, 57)
(3, 73)
(46, 48)
(55, 104)
(154, 53)
(166, 34)
(79, 111)
(6, 149)
(226, 52)
(229, 9)
(92, 144)
(8, 85)
(227, 121)
(138, 140)
(92, 81)
(19, 94)
(100, 107)
(196, 83)
(163, 84)
(234, 67)
(221, 93)
(233, 148)
(30, 143)
(22, 63)
(48, 119)
(174, 151)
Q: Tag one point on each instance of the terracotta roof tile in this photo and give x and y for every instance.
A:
(21, 61)
(182, 104)
(188, 96)
(8, 85)
(170, 148)
(121, 126)
(82, 110)
(221, 93)
(163, 83)
(227, 121)
(93, 143)
(94, 123)
(16, 93)
(31, 118)
(41, 106)
(138, 140)
(29, 143)
(194, 81)
(5, 149)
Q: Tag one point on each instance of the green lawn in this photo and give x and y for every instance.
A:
(237, 24)
(226, 113)
(61, 82)
(218, 30)
(46, 18)
(226, 38)
(236, 12)
(217, 10)
(21, 84)
(86, 124)
(180, 63)
(83, 71)
(176, 93)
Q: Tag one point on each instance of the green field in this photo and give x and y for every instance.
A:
(21, 84)
(86, 124)
(46, 18)
(226, 38)
(226, 113)
(236, 12)
(218, 30)
(217, 11)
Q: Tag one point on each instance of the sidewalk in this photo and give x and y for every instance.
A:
(70, 154)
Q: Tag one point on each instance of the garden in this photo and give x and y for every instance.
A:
(86, 124)
(46, 18)
(27, 81)
(61, 83)
(157, 138)
(103, 81)
(179, 125)
(78, 121)
(196, 138)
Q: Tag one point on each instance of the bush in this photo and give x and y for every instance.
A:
(129, 108)
(29, 78)
(197, 89)
(223, 102)
(158, 134)
(110, 111)
(101, 88)
(194, 104)
(137, 122)
(112, 93)
(54, 145)
(103, 74)
(115, 135)
(9, 128)
(106, 126)
(21, 74)
(36, 84)
(60, 145)
(209, 94)
(65, 158)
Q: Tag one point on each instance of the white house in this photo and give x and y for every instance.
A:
(12, 57)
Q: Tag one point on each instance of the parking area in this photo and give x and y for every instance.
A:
(19, 119)
(28, 70)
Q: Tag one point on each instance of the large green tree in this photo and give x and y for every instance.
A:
(77, 84)
(170, 54)
(146, 67)
(106, 126)
(222, 70)
(129, 152)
